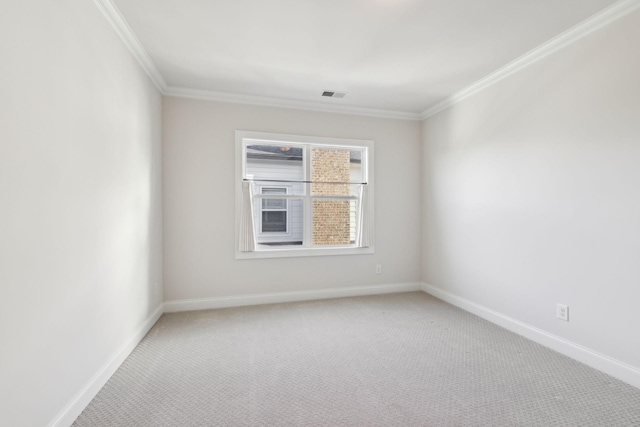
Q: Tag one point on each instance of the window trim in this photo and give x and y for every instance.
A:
(244, 137)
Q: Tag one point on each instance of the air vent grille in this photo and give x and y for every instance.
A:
(333, 94)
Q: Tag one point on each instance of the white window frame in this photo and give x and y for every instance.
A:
(244, 138)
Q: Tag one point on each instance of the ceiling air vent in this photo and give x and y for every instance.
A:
(332, 94)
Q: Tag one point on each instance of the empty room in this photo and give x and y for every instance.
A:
(320, 213)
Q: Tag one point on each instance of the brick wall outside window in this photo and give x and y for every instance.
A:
(331, 219)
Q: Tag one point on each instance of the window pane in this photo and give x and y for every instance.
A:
(274, 221)
(333, 222)
(341, 166)
(274, 190)
(275, 164)
(290, 235)
(274, 204)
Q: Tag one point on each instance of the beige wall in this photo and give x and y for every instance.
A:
(80, 222)
(199, 202)
(532, 194)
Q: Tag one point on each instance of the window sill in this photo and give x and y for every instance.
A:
(302, 252)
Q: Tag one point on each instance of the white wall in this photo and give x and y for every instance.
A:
(532, 194)
(199, 200)
(80, 222)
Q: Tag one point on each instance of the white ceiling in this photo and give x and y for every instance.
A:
(395, 55)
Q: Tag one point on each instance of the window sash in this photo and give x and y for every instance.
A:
(268, 228)
(270, 191)
(306, 161)
(308, 217)
(300, 197)
(309, 191)
(273, 226)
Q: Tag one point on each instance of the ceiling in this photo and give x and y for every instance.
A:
(402, 56)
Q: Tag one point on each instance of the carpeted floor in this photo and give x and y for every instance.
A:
(391, 360)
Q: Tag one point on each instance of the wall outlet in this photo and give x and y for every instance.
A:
(379, 269)
(562, 312)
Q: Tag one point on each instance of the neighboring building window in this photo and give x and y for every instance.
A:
(300, 196)
(273, 213)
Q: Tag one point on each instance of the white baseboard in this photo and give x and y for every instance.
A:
(68, 415)
(606, 364)
(615, 368)
(278, 297)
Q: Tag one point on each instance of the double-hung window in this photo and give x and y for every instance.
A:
(302, 196)
(273, 215)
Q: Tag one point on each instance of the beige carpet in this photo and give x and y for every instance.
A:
(391, 360)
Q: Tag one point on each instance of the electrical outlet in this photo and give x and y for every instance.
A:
(562, 312)
(379, 269)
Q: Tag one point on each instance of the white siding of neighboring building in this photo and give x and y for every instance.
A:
(355, 175)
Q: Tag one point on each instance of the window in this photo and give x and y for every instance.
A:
(301, 196)
(273, 213)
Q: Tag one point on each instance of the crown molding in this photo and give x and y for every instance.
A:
(601, 19)
(117, 21)
(234, 98)
(605, 17)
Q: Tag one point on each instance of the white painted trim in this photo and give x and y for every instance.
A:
(615, 368)
(68, 415)
(263, 101)
(605, 17)
(279, 297)
(301, 251)
(117, 21)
